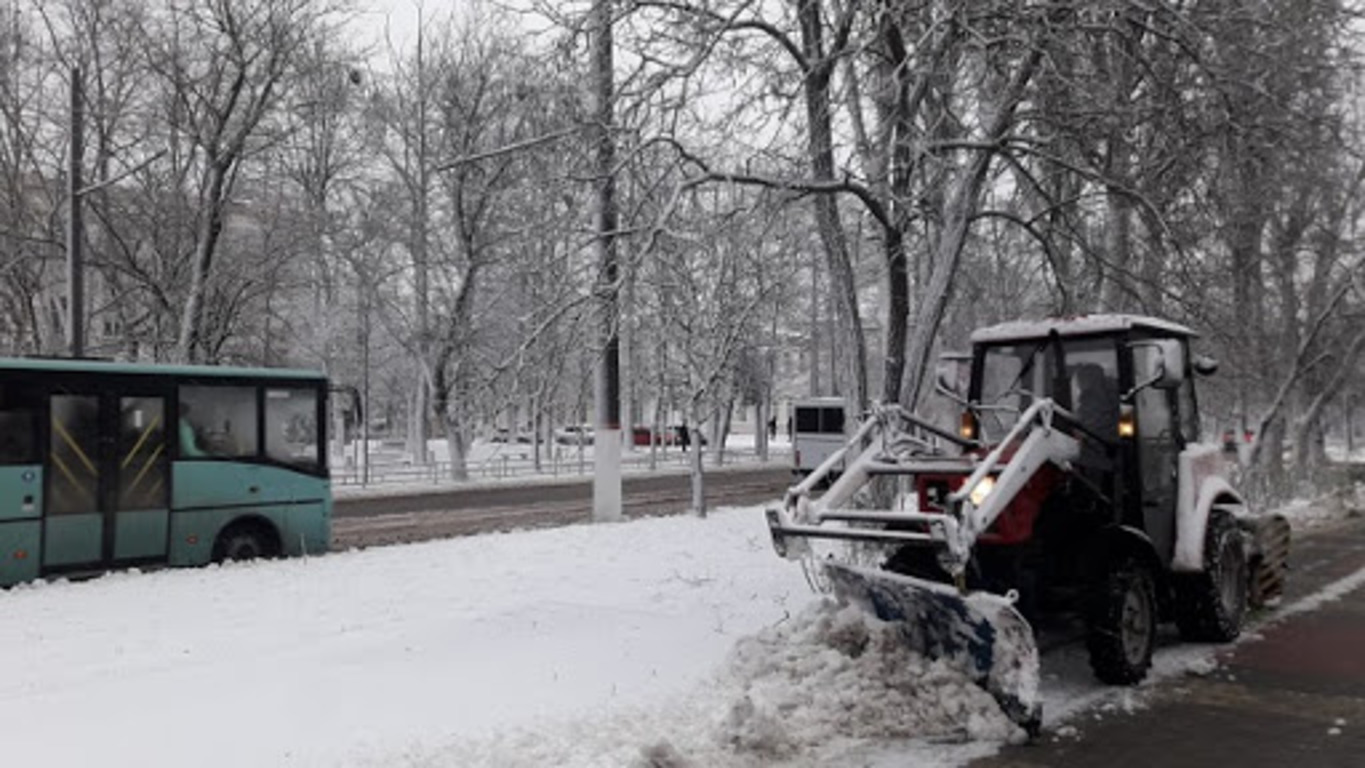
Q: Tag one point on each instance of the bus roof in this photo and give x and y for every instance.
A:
(69, 365)
(1078, 325)
(817, 400)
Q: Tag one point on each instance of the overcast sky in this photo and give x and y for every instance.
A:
(399, 17)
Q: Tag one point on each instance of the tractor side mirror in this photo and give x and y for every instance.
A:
(1159, 363)
(949, 375)
(1172, 354)
(1204, 365)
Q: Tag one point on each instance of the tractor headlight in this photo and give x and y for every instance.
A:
(1127, 422)
(982, 490)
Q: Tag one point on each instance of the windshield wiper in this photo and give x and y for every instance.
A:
(1025, 369)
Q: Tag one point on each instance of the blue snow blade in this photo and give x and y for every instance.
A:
(979, 633)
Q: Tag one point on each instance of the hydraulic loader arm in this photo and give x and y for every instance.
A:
(991, 484)
(995, 482)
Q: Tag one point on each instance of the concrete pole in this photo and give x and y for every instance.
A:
(606, 487)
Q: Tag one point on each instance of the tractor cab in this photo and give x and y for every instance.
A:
(1122, 386)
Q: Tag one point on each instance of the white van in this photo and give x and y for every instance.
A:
(817, 431)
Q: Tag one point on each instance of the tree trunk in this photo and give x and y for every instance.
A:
(694, 462)
(720, 430)
(832, 237)
(960, 209)
(1349, 408)
(458, 447)
(1117, 292)
(761, 427)
(191, 320)
(1307, 447)
(897, 314)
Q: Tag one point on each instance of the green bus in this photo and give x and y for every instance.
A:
(109, 465)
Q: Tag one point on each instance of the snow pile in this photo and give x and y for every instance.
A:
(806, 692)
(838, 672)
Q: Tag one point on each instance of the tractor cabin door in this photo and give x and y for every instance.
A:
(1158, 449)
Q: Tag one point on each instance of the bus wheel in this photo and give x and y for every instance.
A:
(245, 541)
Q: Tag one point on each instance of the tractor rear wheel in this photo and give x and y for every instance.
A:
(1121, 620)
(1210, 606)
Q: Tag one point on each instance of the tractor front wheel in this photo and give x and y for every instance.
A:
(1210, 605)
(1121, 620)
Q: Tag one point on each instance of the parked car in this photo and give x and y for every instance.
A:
(574, 434)
(501, 435)
(672, 435)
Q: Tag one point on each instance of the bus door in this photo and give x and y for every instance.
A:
(21, 481)
(107, 476)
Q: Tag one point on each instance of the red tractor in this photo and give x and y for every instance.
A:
(1076, 485)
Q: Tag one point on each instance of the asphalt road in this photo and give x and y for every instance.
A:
(363, 521)
(1291, 694)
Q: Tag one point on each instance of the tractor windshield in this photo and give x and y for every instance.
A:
(1014, 375)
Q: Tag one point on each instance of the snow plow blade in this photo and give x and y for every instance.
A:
(980, 633)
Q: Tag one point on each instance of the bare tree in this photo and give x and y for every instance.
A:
(225, 66)
(30, 155)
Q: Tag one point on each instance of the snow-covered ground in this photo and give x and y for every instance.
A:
(665, 642)
(1337, 450)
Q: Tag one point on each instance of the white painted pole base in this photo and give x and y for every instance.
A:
(606, 480)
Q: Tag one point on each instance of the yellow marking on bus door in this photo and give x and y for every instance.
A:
(71, 441)
(70, 476)
(145, 467)
(138, 445)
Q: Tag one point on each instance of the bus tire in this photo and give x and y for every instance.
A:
(246, 540)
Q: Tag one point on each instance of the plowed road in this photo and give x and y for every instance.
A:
(363, 521)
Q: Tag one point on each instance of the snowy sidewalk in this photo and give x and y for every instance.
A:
(1291, 693)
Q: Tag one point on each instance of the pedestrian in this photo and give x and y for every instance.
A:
(772, 427)
(683, 436)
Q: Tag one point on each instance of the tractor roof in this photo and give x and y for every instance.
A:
(1076, 325)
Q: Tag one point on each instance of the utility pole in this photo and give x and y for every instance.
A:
(75, 229)
(420, 255)
(606, 486)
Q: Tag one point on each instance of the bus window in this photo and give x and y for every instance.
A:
(73, 486)
(142, 454)
(818, 432)
(816, 420)
(291, 424)
(832, 421)
(18, 426)
(222, 421)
